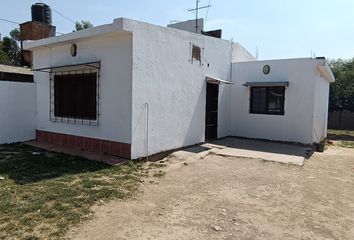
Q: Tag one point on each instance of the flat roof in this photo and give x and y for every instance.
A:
(116, 26)
(15, 69)
(120, 26)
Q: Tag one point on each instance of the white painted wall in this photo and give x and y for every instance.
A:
(174, 87)
(240, 54)
(114, 50)
(298, 122)
(320, 115)
(17, 111)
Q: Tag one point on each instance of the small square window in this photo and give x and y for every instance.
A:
(267, 100)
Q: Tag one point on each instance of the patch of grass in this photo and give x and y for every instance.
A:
(340, 132)
(344, 135)
(347, 144)
(43, 194)
(157, 165)
(342, 138)
(159, 174)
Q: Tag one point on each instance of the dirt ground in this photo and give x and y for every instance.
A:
(218, 197)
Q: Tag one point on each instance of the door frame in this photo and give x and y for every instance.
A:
(211, 111)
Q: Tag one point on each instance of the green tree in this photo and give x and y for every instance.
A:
(11, 48)
(10, 52)
(4, 59)
(15, 34)
(82, 25)
(342, 91)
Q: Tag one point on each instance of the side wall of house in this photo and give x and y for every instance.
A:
(17, 111)
(115, 101)
(320, 117)
(240, 54)
(297, 123)
(173, 86)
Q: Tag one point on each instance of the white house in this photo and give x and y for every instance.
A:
(133, 89)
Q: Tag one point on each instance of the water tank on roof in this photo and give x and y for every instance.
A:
(41, 13)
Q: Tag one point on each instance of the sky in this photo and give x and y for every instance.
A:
(274, 28)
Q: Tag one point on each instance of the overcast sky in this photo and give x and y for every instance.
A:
(278, 28)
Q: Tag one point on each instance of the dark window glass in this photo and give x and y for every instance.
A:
(267, 100)
(75, 96)
(15, 77)
(276, 100)
(258, 102)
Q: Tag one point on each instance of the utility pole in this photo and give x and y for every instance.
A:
(196, 10)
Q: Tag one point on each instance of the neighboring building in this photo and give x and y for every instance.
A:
(38, 28)
(17, 104)
(133, 89)
(189, 26)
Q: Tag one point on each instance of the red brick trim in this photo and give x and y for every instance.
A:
(85, 144)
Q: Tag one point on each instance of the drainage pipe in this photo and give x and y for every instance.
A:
(147, 130)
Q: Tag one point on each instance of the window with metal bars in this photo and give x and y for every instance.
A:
(74, 97)
(196, 53)
(267, 100)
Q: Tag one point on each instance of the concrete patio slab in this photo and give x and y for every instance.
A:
(247, 148)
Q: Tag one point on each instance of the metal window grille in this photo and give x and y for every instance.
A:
(196, 53)
(75, 96)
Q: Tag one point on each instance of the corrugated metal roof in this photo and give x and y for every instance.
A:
(15, 69)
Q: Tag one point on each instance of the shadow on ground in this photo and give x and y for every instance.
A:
(24, 164)
(197, 149)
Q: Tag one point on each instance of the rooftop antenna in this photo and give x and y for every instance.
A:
(196, 10)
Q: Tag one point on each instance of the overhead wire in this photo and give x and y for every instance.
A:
(63, 16)
(8, 21)
(17, 23)
(60, 14)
